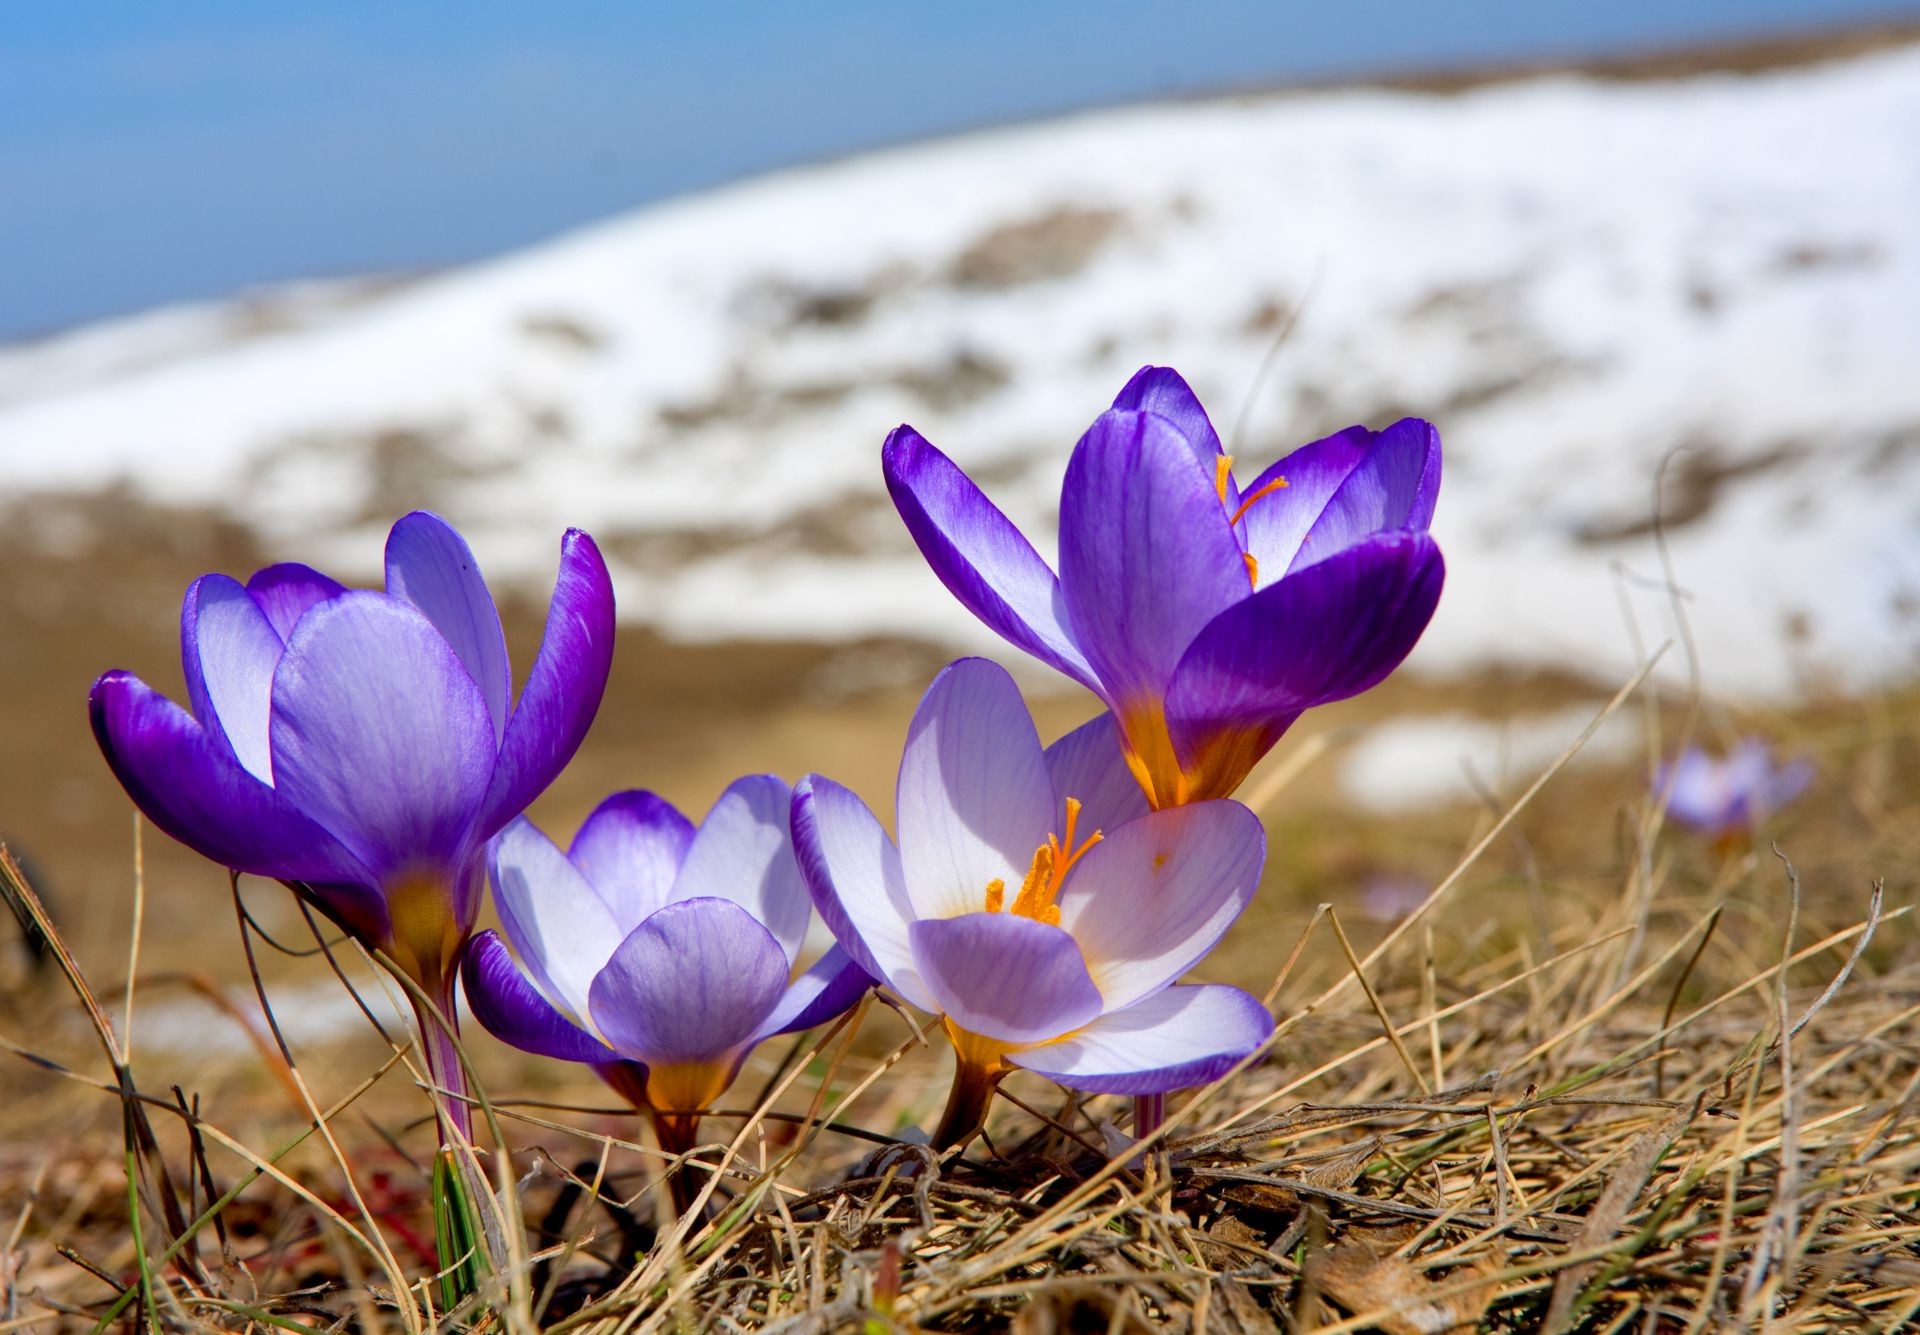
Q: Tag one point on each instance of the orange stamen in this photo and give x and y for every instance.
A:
(1047, 873)
(1253, 569)
(1222, 475)
(1246, 502)
(996, 895)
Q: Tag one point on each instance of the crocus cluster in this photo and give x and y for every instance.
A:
(1043, 902)
(1726, 798)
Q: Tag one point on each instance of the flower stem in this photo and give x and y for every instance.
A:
(439, 1044)
(973, 1086)
(1149, 1110)
(678, 1133)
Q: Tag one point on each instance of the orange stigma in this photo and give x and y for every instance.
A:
(1222, 475)
(1047, 873)
(1246, 502)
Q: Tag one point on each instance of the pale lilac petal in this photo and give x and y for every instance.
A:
(744, 852)
(1342, 490)
(1089, 764)
(1004, 976)
(824, 992)
(564, 688)
(188, 783)
(631, 848)
(1156, 894)
(229, 650)
(974, 799)
(287, 592)
(559, 925)
(514, 1011)
(853, 875)
(978, 553)
(1174, 1039)
(380, 735)
(430, 566)
(1147, 558)
(689, 985)
(1322, 634)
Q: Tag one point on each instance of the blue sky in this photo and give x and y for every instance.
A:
(156, 151)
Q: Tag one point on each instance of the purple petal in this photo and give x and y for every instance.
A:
(631, 848)
(1342, 490)
(744, 853)
(690, 984)
(974, 799)
(1322, 634)
(557, 922)
(1004, 976)
(822, 993)
(286, 592)
(1174, 1039)
(1088, 764)
(189, 784)
(229, 650)
(380, 735)
(514, 1012)
(1146, 555)
(1156, 894)
(564, 688)
(430, 566)
(853, 875)
(978, 554)
(1163, 390)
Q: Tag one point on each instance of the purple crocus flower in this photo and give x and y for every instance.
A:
(1035, 902)
(1207, 618)
(1727, 798)
(658, 953)
(362, 747)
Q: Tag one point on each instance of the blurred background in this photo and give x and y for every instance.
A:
(275, 275)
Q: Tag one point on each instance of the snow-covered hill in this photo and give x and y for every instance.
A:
(1572, 278)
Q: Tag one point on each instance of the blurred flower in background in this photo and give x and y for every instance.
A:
(1727, 798)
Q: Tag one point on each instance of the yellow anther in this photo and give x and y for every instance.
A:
(1253, 569)
(996, 895)
(1046, 874)
(1222, 475)
(1246, 502)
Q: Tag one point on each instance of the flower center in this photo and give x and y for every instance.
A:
(1222, 475)
(1048, 872)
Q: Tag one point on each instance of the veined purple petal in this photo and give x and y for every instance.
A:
(1156, 894)
(563, 691)
(287, 591)
(978, 553)
(188, 783)
(690, 984)
(1147, 558)
(1342, 490)
(1174, 1039)
(743, 852)
(1321, 634)
(1163, 390)
(631, 848)
(513, 1011)
(430, 566)
(974, 799)
(380, 734)
(562, 929)
(1004, 976)
(1089, 764)
(822, 993)
(853, 875)
(229, 650)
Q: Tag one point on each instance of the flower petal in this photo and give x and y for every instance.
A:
(974, 799)
(558, 923)
(1156, 894)
(188, 783)
(286, 593)
(1174, 1039)
(513, 1011)
(1321, 634)
(690, 984)
(1088, 764)
(564, 688)
(631, 848)
(1342, 490)
(1163, 390)
(380, 734)
(853, 874)
(229, 650)
(744, 853)
(1004, 976)
(1146, 555)
(822, 993)
(978, 554)
(430, 566)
